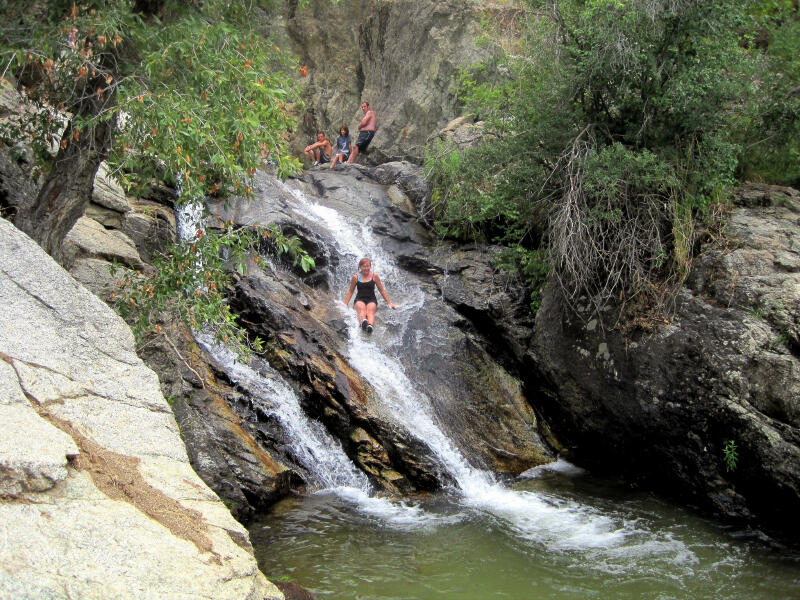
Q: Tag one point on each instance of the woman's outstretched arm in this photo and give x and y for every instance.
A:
(381, 290)
(350, 291)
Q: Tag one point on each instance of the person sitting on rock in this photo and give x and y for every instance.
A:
(366, 304)
(366, 131)
(321, 150)
(343, 146)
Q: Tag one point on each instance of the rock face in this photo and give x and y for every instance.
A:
(18, 173)
(216, 422)
(661, 409)
(219, 425)
(97, 496)
(305, 349)
(403, 57)
(482, 407)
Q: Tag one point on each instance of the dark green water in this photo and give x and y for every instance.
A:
(598, 541)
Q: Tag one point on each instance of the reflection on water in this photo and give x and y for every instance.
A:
(451, 550)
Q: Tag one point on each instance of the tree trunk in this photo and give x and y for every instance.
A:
(84, 145)
(65, 194)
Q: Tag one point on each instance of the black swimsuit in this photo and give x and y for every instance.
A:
(366, 292)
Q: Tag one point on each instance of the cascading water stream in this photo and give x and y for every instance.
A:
(312, 446)
(538, 518)
(550, 534)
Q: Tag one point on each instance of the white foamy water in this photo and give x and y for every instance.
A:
(188, 219)
(398, 515)
(559, 466)
(556, 523)
(353, 243)
(314, 447)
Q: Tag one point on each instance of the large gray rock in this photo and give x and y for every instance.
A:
(661, 408)
(98, 497)
(89, 239)
(109, 204)
(107, 192)
(758, 267)
(151, 226)
(95, 275)
(38, 460)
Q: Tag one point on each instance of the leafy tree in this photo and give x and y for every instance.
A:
(771, 138)
(69, 70)
(623, 123)
(190, 280)
(183, 92)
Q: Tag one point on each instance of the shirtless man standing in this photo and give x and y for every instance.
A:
(321, 150)
(366, 131)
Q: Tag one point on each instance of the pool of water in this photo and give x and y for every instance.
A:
(557, 534)
(598, 541)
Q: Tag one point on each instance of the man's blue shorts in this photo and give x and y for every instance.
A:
(364, 138)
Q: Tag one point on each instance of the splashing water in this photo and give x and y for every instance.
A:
(541, 519)
(313, 446)
(558, 523)
(555, 535)
(354, 242)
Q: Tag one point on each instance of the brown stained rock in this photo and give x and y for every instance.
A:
(125, 512)
(118, 477)
(293, 591)
(302, 345)
(225, 448)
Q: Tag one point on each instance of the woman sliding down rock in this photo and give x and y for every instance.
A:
(366, 303)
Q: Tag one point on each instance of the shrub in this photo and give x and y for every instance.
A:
(189, 282)
(610, 234)
(618, 129)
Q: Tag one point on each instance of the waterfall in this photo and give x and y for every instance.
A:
(313, 447)
(188, 218)
(540, 518)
